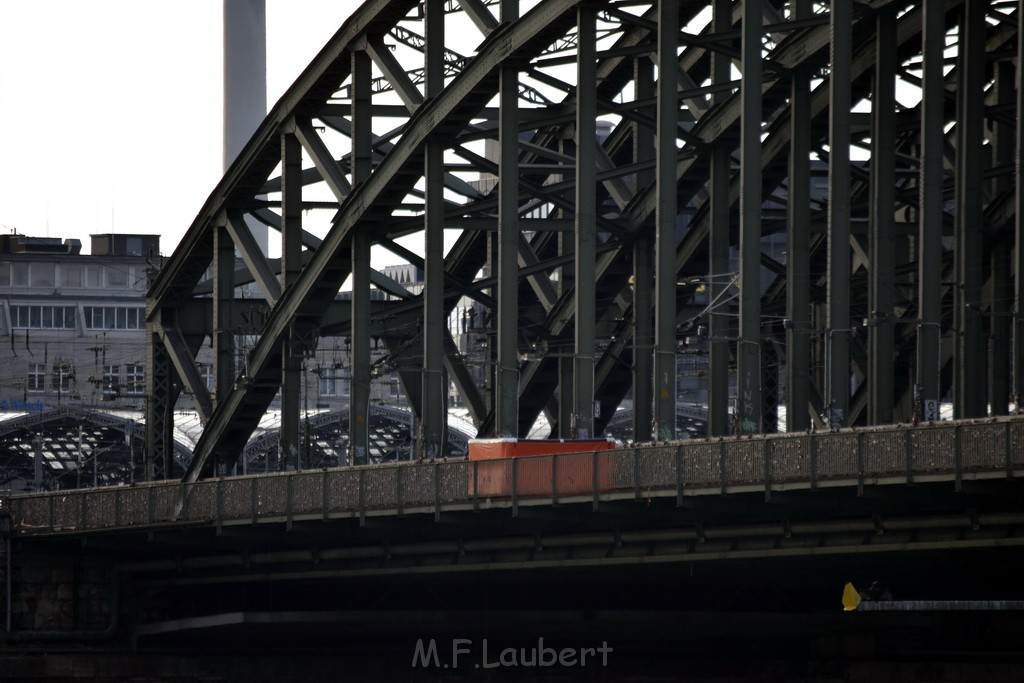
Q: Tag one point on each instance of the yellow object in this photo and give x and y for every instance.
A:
(851, 598)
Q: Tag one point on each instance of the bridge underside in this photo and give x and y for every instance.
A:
(756, 203)
(718, 582)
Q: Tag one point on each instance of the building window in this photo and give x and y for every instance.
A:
(206, 373)
(135, 378)
(63, 376)
(111, 382)
(43, 274)
(36, 377)
(333, 382)
(328, 384)
(19, 274)
(43, 317)
(72, 276)
(114, 318)
(395, 387)
(116, 277)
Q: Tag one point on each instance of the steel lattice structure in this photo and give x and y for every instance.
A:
(900, 284)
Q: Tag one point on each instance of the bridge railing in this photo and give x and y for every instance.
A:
(893, 454)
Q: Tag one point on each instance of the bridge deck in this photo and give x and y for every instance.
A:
(946, 451)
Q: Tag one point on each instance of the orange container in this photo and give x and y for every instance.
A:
(572, 472)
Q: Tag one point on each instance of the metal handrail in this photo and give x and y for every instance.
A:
(895, 454)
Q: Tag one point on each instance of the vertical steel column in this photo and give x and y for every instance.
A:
(718, 245)
(798, 228)
(586, 221)
(929, 333)
(971, 351)
(748, 351)
(362, 149)
(643, 266)
(837, 379)
(223, 301)
(161, 396)
(665, 237)
(566, 363)
(643, 338)
(883, 225)
(1000, 327)
(1018, 269)
(435, 394)
(291, 266)
(507, 394)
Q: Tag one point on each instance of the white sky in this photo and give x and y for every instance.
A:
(111, 110)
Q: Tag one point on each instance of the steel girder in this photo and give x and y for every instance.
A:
(391, 126)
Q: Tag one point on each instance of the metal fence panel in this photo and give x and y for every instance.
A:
(455, 481)
(533, 475)
(744, 462)
(657, 467)
(933, 449)
(308, 493)
(166, 501)
(493, 478)
(67, 511)
(790, 458)
(1017, 443)
(100, 512)
(31, 513)
(837, 455)
(272, 495)
(343, 490)
(202, 500)
(382, 487)
(237, 498)
(624, 469)
(884, 452)
(134, 505)
(418, 485)
(701, 467)
(983, 446)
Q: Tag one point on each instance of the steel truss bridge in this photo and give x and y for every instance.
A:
(610, 173)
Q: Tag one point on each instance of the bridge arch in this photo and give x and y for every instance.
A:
(660, 182)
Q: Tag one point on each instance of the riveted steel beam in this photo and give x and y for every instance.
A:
(881, 296)
(837, 342)
(971, 344)
(665, 221)
(643, 265)
(506, 402)
(586, 223)
(434, 400)
(930, 212)
(719, 280)
(259, 267)
(798, 227)
(748, 351)
(223, 336)
(359, 253)
(185, 367)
